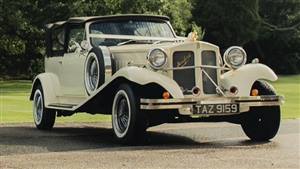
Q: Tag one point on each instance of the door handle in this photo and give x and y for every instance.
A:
(60, 62)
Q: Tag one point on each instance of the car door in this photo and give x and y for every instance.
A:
(55, 51)
(73, 62)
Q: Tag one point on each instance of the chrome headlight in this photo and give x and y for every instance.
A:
(235, 57)
(157, 58)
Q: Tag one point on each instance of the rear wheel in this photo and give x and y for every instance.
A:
(129, 123)
(44, 118)
(262, 123)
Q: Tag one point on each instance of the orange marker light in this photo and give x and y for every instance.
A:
(166, 95)
(254, 92)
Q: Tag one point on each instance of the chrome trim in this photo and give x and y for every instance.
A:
(218, 88)
(212, 98)
(196, 67)
(107, 61)
(187, 103)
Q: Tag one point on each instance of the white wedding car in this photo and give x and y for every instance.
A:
(135, 68)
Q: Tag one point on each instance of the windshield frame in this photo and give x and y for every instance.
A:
(129, 37)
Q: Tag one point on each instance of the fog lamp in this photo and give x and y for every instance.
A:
(166, 95)
(254, 92)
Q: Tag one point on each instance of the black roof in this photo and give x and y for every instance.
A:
(107, 17)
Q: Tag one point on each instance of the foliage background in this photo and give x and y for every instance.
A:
(267, 29)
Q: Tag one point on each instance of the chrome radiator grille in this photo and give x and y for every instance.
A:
(209, 58)
(185, 77)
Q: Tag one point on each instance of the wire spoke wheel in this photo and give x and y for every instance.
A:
(128, 121)
(121, 113)
(94, 70)
(38, 107)
(93, 74)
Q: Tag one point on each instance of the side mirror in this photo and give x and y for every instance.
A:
(84, 45)
(255, 60)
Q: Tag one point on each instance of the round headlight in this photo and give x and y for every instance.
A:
(157, 58)
(235, 57)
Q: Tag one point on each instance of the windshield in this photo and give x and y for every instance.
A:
(129, 28)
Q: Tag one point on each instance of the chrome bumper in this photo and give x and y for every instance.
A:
(185, 105)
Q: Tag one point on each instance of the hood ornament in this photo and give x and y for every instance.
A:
(193, 36)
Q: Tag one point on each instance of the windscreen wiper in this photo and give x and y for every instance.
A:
(126, 42)
(160, 41)
(132, 40)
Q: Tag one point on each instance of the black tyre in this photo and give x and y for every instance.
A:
(129, 123)
(94, 72)
(44, 118)
(262, 123)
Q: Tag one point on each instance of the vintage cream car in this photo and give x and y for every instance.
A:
(135, 68)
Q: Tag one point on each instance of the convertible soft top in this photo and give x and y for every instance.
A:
(107, 17)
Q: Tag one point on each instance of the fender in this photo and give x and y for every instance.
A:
(50, 85)
(244, 77)
(139, 76)
(144, 76)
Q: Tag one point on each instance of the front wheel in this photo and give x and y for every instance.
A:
(44, 118)
(262, 123)
(129, 123)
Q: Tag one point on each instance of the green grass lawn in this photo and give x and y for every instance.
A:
(289, 87)
(15, 105)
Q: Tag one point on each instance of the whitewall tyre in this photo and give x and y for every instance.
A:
(94, 71)
(91, 73)
(129, 123)
(44, 118)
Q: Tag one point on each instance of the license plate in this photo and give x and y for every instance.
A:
(215, 108)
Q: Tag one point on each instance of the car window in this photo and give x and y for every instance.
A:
(58, 39)
(75, 36)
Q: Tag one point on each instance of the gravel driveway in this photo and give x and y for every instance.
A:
(189, 145)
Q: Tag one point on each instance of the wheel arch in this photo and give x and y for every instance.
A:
(245, 77)
(102, 101)
(142, 79)
(50, 86)
(35, 84)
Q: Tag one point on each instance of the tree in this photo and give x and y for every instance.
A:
(22, 23)
(227, 22)
(179, 11)
(278, 43)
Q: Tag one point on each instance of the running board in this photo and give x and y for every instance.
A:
(61, 106)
